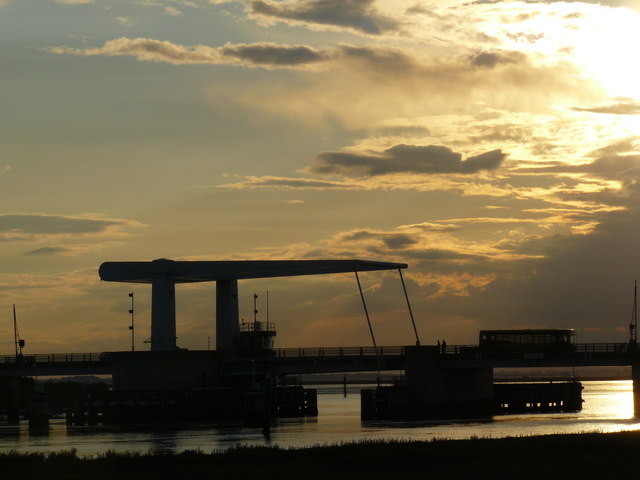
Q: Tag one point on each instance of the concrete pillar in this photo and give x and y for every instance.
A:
(432, 385)
(227, 316)
(163, 305)
(635, 376)
(10, 397)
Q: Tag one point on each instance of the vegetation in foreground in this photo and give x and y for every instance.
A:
(584, 456)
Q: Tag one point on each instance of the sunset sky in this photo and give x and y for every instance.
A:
(493, 146)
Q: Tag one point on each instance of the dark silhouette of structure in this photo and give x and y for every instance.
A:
(241, 377)
(163, 274)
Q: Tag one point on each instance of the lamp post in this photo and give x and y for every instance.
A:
(131, 327)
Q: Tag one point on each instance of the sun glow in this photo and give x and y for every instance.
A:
(599, 40)
(606, 47)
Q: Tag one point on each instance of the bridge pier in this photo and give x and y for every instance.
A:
(635, 376)
(227, 317)
(163, 306)
(10, 398)
(433, 389)
(431, 386)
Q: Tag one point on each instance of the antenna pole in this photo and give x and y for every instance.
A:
(15, 331)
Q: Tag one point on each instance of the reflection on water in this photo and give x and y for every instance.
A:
(608, 407)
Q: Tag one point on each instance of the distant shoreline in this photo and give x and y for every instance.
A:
(585, 455)
(601, 374)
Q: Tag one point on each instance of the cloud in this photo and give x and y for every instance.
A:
(273, 54)
(622, 107)
(491, 59)
(429, 159)
(21, 227)
(172, 11)
(6, 169)
(382, 79)
(384, 60)
(387, 83)
(60, 250)
(264, 54)
(402, 181)
(618, 161)
(74, 2)
(127, 22)
(256, 54)
(401, 131)
(289, 183)
(359, 15)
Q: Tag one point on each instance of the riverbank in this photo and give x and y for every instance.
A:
(588, 455)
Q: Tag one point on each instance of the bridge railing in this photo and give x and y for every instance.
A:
(546, 378)
(579, 348)
(338, 352)
(605, 348)
(452, 350)
(55, 358)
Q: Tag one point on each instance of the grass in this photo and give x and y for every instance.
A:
(584, 456)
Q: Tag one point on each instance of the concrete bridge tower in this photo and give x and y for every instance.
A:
(164, 274)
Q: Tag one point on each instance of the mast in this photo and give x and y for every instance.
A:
(19, 343)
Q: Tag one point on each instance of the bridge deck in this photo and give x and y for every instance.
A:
(343, 359)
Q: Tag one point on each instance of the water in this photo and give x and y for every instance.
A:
(608, 407)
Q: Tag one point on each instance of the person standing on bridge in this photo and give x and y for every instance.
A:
(444, 346)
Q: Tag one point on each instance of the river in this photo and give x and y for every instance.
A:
(608, 407)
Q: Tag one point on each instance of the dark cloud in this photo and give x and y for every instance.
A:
(429, 159)
(408, 245)
(398, 241)
(359, 15)
(386, 60)
(580, 281)
(263, 54)
(29, 226)
(271, 54)
(418, 10)
(491, 59)
(50, 251)
(625, 107)
(393, 241)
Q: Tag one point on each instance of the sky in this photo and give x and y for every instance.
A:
(493, 146)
